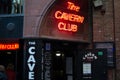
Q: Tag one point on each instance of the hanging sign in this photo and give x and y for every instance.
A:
(32, 65)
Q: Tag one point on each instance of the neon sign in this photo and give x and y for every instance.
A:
(71, 6)
(67, 27)
(70, 17)
(12, 46)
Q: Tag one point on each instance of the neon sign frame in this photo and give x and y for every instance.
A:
(9, 46)
(69, 17)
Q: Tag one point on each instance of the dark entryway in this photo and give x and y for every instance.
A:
(63, 61)
(12, 57)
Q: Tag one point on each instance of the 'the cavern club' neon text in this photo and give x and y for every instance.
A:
(71, 6)
(70, 17)
(10, 46)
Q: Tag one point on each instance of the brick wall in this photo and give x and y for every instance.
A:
(117, 36)
(104, 27)
(34, 10)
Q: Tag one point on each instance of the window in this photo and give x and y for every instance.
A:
(11, 6)
(110, 52)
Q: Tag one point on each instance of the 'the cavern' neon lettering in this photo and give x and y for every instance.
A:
(69, 17)
(71, 6)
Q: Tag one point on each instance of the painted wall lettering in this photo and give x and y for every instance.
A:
(31, 62)
(33, 59)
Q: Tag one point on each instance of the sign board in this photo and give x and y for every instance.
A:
(67, 20)
(32, 59)
(91, 64)
(86, 68)
(72, 19)
(110, 52)
(9, 46)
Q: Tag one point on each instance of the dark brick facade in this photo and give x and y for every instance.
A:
(106, 26)
(106, 29)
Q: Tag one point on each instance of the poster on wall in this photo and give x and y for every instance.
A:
(87, 69)
(110, 52)
(91, 64)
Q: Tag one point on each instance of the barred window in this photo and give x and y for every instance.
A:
(11, 6)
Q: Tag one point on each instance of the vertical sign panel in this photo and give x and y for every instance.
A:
(91, 64)
(32, 59)
(110, 52)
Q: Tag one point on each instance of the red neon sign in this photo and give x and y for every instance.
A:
(69, 17)
(71, 6)
(12, 46)
(67, 27)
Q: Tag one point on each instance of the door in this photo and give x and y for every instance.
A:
(12, 60)
(7, 57)
(58, 66)
(62, 67)
(91, 65)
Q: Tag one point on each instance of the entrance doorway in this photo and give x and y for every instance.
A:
(71, 61)
(62, 61)
(14, 59)
(7, 57)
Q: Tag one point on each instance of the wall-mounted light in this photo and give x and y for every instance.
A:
(58, 53)
(103, 11)
(10, 26)
(97, 3)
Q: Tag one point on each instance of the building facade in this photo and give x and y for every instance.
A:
(105, 29)
(33, 19)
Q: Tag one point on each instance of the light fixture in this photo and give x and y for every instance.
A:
(58, 53)
(98, 3)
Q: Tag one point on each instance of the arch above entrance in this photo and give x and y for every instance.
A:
(33, 16)
(58, 19)
(67, 20)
